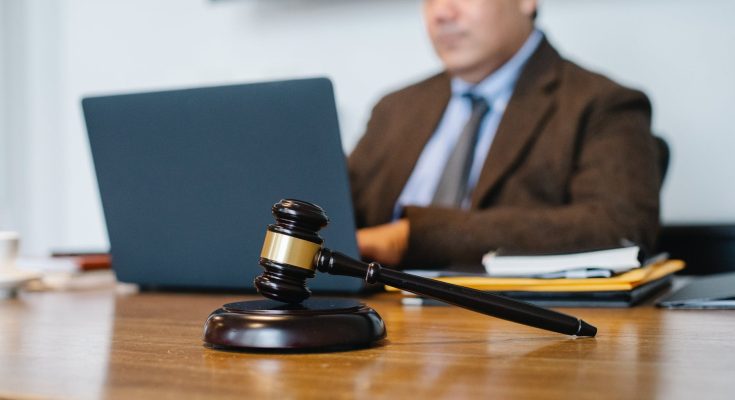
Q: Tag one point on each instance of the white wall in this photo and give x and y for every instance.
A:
(682, 53)
(678, 51)
(34, 177)
(3, 137)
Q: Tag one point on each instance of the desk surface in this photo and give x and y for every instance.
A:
(98, 344)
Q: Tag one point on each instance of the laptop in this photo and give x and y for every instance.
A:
(187, 179)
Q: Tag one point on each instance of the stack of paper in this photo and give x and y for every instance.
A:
(592, 264)
(622, 290)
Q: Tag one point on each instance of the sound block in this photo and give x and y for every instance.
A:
(313, 325)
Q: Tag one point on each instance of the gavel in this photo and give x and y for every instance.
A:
(293, 251)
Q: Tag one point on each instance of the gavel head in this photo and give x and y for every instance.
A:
(289, 250)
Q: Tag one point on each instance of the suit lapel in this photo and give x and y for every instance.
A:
(421, 122)
(529, 107)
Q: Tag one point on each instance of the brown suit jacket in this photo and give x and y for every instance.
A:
(573, 165)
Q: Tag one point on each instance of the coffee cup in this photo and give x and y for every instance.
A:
(9, 242)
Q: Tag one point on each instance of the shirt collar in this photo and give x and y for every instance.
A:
(501, 82)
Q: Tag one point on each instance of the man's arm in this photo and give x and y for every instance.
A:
(384, 243)
(365, 160)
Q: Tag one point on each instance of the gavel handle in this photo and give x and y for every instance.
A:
(336, 263)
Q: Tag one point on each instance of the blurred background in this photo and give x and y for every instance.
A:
(54, 52)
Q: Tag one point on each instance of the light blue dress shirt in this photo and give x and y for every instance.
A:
(497, 89)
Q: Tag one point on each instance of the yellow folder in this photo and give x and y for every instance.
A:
(622, 282)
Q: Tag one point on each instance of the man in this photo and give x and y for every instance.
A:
(556, 158)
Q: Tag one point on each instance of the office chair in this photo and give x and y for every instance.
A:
(663, 156)
(707, 249)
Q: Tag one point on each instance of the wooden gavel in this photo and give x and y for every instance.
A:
(293, 251)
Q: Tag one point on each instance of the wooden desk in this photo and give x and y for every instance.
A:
(98, 344)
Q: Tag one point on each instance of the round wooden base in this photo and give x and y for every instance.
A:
(314, 325)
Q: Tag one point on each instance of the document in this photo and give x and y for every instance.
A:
(613, 260)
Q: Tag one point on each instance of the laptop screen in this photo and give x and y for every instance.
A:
(188, 177)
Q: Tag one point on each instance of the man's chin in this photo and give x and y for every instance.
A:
(456, 64)
(459, 68)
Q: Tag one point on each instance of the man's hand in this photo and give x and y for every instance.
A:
(386, 243)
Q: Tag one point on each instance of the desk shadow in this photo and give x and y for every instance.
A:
(335, 349)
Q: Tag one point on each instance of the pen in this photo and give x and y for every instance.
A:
(582, 273)
(421, 301)
(657, 258)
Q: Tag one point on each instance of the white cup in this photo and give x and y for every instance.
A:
(9, 242)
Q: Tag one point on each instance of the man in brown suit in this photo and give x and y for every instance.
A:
(572, 163)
